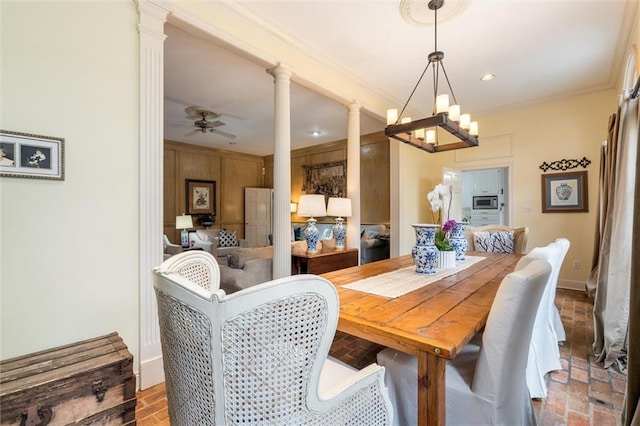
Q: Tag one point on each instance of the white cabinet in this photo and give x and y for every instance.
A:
(487, 182)
(485, 217)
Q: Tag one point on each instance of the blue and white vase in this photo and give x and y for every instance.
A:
(339, 233)
(425, 252)
(458, 240)
(312, 235)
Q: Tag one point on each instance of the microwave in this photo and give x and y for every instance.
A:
(485, 202)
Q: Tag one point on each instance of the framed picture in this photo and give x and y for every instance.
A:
(329, 179)
(200, 196)
(31, 156)
(565, 192)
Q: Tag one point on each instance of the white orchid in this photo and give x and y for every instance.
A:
(436, 199)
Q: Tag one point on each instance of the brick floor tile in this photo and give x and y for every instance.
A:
(579, 374)
(579, 362)
(619, 385)
(599, 373)
(578, 419)
(603, 417)
(561, 376)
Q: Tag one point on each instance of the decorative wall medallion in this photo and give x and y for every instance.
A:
(565, 164)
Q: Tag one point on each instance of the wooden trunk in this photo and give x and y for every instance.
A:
(84, 383)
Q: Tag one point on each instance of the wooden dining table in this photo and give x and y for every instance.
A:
(433, 322)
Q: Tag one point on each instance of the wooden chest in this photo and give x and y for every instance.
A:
(84, 383)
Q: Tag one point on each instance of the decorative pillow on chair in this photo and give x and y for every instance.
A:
(495, 242)
(226, 239)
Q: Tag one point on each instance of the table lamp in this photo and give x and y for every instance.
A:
(339, 207)
(184, 222)
(310, 205)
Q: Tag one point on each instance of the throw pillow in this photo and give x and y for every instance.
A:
(364, 235)
(227, 239)
(495, 242)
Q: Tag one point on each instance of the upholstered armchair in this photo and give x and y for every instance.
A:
(495, 238)
(268, 344)
(168, 248)
(209, 240)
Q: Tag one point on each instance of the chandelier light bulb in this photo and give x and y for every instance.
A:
(431, 137)
(473, 128)
(392, 116)
(442, 103)
(454, 113)
(419, 133)
(465, 120)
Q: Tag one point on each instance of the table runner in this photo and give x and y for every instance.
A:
(397, 283)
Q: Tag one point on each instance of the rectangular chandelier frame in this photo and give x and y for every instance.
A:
(404, 133)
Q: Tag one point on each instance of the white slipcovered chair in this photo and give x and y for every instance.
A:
(260, 355)
(544, 354)
(557, 321)
(485, 384)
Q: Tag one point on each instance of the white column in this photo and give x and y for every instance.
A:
(353, 175)
(151, 80)
(282, 173)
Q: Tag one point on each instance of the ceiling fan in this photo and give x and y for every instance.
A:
(203, 125)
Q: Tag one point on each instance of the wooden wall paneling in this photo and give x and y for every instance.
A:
(237, 174)
(375, 185)
(169, 195)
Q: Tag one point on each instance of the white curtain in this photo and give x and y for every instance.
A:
(612, 292)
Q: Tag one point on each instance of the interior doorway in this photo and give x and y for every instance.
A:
(479, 196)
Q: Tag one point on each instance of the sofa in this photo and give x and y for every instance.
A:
(246, 267)
(209, 240)
(374, 243)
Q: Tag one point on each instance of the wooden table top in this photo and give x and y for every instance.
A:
(439, 318)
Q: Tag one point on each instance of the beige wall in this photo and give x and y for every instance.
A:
(522, 138)
(69, 249)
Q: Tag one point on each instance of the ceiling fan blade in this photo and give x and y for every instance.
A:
(214, 124)
(221, 133)
(193, 132)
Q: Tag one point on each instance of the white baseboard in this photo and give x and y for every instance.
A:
(151, 373)
(572, 285)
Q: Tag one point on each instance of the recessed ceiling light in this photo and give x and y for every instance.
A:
(315, 133)
(488, 77)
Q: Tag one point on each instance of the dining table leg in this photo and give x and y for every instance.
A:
(431, 389)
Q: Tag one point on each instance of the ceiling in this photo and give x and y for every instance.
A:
(539, 50)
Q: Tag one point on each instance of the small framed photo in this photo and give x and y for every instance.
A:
(31, 156)
(565, 192)
(200, 196)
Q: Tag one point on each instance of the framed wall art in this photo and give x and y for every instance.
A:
(200, 196)
(329, 179)
(565, 192)
(31, 156)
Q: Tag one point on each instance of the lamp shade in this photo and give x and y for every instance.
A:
(310, 205)
(340, 207)
(184, 222)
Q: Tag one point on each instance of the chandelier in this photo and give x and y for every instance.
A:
(423, 133)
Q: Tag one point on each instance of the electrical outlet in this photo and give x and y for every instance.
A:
(576, 264)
